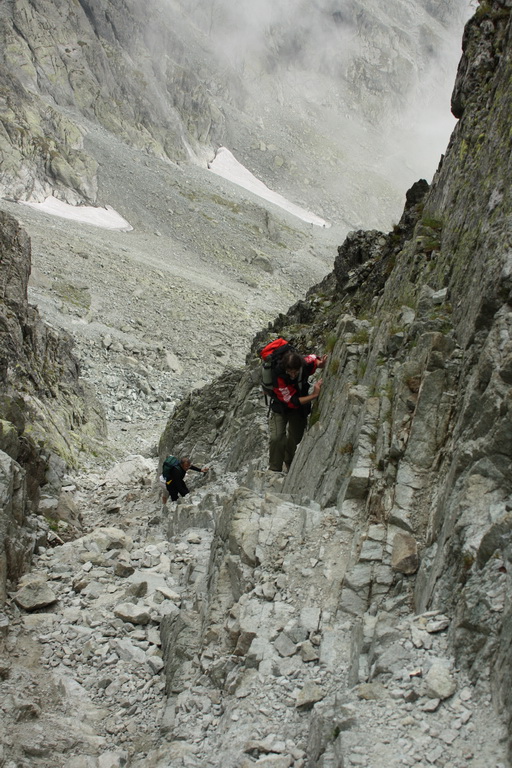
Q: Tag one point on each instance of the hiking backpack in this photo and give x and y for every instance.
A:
(169, 463)
(271, 355)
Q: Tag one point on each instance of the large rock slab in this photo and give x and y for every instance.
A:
(404, 556)
(34, 594)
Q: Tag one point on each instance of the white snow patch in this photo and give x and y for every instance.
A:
(227, 166)
(105, 217)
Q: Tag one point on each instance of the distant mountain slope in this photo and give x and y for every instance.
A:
(301, 92)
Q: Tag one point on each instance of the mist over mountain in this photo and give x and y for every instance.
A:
(344, 103)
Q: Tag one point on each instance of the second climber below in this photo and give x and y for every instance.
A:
(174, 484)
(291, 405)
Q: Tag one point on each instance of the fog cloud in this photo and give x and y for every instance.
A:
(340, 70)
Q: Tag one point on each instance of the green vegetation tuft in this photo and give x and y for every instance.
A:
(432, 223)
(361, 369)
(334, 366)
(79, 297)
(361, 336)
(330, 342)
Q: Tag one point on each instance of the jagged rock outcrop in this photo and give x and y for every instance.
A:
(47, 416)
(412, 432)
(221, 644)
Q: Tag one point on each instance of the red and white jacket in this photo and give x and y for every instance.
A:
(287, 390)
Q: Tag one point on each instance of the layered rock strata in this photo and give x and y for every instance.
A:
(221, 643)
(355, 611)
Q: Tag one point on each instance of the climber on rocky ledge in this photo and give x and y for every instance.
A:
(174, 483)
(291, 405)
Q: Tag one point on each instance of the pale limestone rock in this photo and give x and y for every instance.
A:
(401, 519)
(67, 510)
(310, 617)
(269, 590)
(172, 363)
(438, 624)
(309, 695)
(133, 471)
(244, 537)
(439, 682)
(439, 297)
(83, 761)
(156, 664)
(105, 539)
(371, 551)
(359, 576)
(169, 594)
(404, 557)
(308, 652)
(353, 602)
(260, 650)
(133, 613)
(431, 705)
(420, 639)
(115, 759)
(34, 594)
(284, 646)
(377, 532)
(127, 651)
(274, 761)
(392, 659)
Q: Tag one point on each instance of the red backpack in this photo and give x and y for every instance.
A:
(270, 355)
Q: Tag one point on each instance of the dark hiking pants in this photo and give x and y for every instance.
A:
(285, 433)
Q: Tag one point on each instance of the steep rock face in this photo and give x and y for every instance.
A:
(47, 417)
(412, 429)
(122, 66)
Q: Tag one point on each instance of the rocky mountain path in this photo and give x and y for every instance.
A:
(96, 675)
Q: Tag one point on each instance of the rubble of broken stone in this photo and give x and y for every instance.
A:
(228, 631)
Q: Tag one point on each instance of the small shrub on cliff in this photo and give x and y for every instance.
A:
(432, 223)
(334, 366)
(330, 342)
(361, 336)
